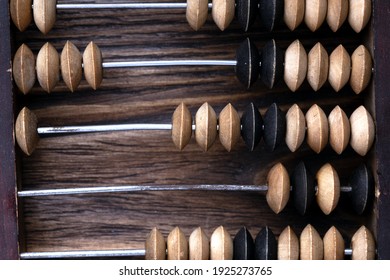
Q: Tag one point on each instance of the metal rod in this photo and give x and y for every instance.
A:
(82, 254)
(154, 63)
(126, 6)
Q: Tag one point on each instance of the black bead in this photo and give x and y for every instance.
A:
(243, 245)
(265, 245)
(363, 187)
(246, 13)
(303, 189)
(271, 13)
(251, 126)
(274, 127)
(272, 58)
(248, 63)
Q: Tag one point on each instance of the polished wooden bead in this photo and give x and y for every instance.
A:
(177, 245)
(93, 69)
(251, 126)
(339, 68)
(271, 13)
(48, 67)
(362, 131)
(155, 246)
(303, 189)
(181, 126)
(223, 13)
(317, 67)
(288, 245)
(44, 14)
(339, 130)
(278, 192)
(337, 13)
(315, 13)
(199, 245)
(243, 245)
(362, 184)
(359, 14)
(266, 246)
(295, 128)
(248, 63)
(71, 66)
(363, 245)
(361, 69)
(206, 126)
(328, 192)
(26, 133)
(196, 13)
(333, 245)
(23, 69)
(311, 245)
(274, 127)
(229, 127)
(317, 128)
(246, 11)
(295, 65)
(271, 69)
(21, 13)
(221, 245)
(294, 12)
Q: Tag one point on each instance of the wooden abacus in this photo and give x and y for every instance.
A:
(37, 224)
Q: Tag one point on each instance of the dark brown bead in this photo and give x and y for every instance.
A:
(246, 11)
(272, 58)
(248, 63)
(243, 245)
(271, 13)
(274, 127)
(251, 126)
(363, 188)
(266, 247)
(303, 189)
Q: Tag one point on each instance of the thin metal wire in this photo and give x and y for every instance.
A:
(126, 6)
(82, 254)
(154, 63)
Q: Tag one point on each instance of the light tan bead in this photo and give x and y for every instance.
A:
(294, 12)
(362, 131)
(278, 188)
(317, 128)
(229, 127)
(315, 13)
(181, 126)
(93, 68)
(317, 67)
(155, 246)
(295, 65)
(337, 13)
(328, 192)
(339, 68)
(333, 245)
(339, 130)
(196, 13)
(359, 14)
(199, 245)
(221, 245)
(223, 12)
(177, 245)
(21, 13)
(361, 69)
(71, 66)
(311, 245)
(26, 133)
(44, 14)
(206, 126)
(363, 245)
(295, 128)
(288, 245)
(23, 69)
(48, 67)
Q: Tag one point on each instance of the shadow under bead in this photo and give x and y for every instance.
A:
(271, 69)
(363, 188)
(251, 126)
(303, 189)
(243, 245)
(274, 127)
(266, 246)
(248, 63)
(271, 13)
(246, 11)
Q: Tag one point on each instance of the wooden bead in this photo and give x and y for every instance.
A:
(181, 126)
(229, 127)
(363, 245)
(274, 127)
(278, 188)
(295, 128)
(21, 13)
(243, 245)
(339, 68)
(359, 14)
(333, 245)
(246, 13)
(362, 184)
(266, 245)
(337, 13)
(177, 245)
(206, 126)
(361, 69)
(288, 245)
(315, 13)
(71, 66)
(26, 133)
(196, 13)
(317, 128)
(317, 67)
(251, 126)
(248, 63)
(311, 245)
(339, 130)
(48, 67)
(23, 69)
(295, 65)
(271, 13)
(223, 13)
(221, 245)
(362, 131)
(271, 69)
(93, 68)
(303, 189)
(328, 192)
(44, 14)
(294, 11)
(199, 245)
(155, 246)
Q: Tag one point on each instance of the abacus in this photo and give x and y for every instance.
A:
(267, 128)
